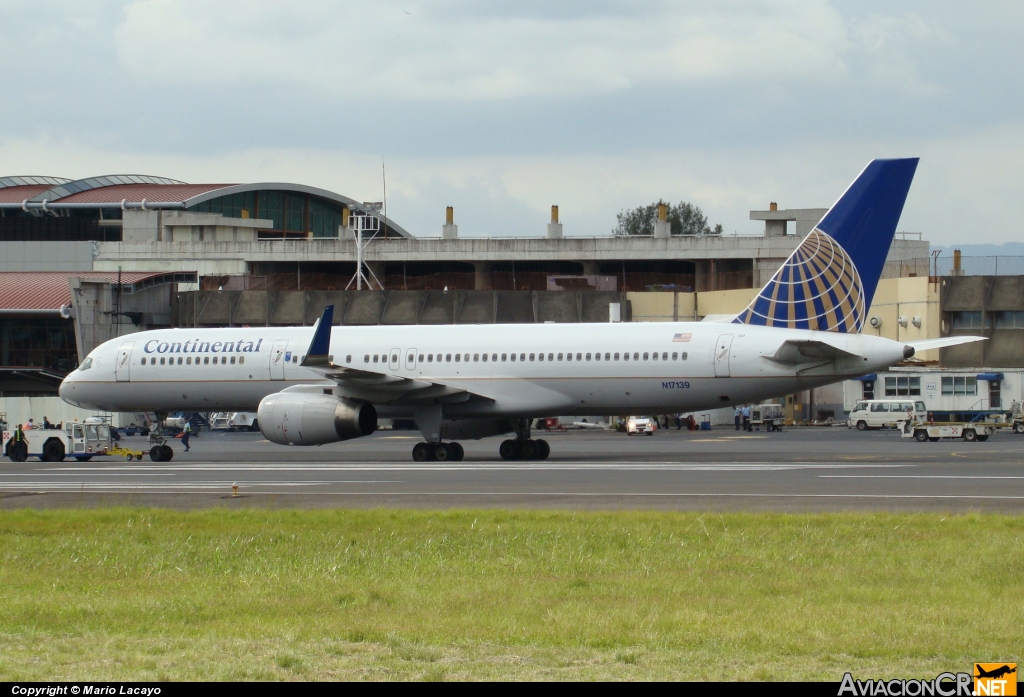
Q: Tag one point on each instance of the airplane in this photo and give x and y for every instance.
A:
(318, 385)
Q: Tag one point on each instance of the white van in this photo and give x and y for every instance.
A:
(880, 413)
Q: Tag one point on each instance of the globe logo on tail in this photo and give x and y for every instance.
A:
(817, 288)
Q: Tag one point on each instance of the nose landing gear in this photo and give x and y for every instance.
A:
(159, 451)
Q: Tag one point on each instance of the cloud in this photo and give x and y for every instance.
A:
(360, 51)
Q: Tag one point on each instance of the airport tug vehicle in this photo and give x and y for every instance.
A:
(81, 441)
(968, 431)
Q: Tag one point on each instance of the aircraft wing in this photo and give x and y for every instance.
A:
(796, 352)
(371, 385)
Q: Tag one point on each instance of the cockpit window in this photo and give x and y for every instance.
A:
(86, 364)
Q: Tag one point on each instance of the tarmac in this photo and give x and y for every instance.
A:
(799, 469)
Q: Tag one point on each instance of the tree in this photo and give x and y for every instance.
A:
(684, 219)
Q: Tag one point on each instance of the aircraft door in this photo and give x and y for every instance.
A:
(395, 361)
(277, 359)
(123, 366)
(722, 350)
(410, 359)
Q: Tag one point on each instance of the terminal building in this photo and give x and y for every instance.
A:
(82, 261)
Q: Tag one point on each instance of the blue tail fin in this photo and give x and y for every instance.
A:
(828, 282)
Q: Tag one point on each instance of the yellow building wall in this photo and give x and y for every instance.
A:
(908, 298)
(724, 302)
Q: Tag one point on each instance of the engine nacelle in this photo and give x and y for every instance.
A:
(314, 419)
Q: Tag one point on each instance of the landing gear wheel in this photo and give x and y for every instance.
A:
(970, 435)
(53, 450)
(442, 452)
(18, 452)
(921, 436)
(168, 453)
(508, 450)
(457, 452)
(862, 426)
(543, 450)
(529, 449)
(421, 452)
(156, 453)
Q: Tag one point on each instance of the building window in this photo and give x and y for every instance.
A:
(1010, 320)
(970, 320)
(960, 385)
(902, 386)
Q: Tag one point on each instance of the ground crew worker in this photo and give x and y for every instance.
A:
(738, 416)
(186, 433)
(746, 418)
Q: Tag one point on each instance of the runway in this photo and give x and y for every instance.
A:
(806, 469)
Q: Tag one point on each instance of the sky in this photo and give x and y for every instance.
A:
(503, 108)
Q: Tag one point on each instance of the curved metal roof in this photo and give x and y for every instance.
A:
(68, 188)
(31, 181)
(297, 188)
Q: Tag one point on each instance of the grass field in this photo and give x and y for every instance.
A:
(385, 594)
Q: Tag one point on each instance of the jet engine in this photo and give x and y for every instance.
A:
(314, 419)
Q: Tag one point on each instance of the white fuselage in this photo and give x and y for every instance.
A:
(698, 365)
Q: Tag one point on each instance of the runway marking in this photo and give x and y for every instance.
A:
(916, 476)
(483, 467)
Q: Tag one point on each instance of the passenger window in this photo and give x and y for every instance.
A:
(188, 360)
(646, 356)
(241, 359)
(206, 360)
(636, 356)
(430, 358)
(494, 357)
(161, 361)
(224, 360)
(616, 356)
(551, 356)
(232, 360)
(142, 361)
(588, 356)
(458, 357)
(376, 358)
(568, 356)
(503, 357)
(675, 355)
(513, 357)
(532, 356)
(606, 356)
(683, 355)
(664, 355)
(654, 355)
(522, 357)
(625, 356)
(879, 407)
(366, 358)
(579, 356)
(559, 356)
(484, 357)
(448, 358)
(348, 359)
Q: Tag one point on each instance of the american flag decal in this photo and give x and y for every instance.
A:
(682, 337)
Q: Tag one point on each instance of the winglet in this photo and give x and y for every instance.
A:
(317, 353)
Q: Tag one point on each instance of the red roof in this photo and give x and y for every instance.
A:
(17, 194)
(49, 290)
(137, 192)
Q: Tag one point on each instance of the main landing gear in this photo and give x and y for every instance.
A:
(522, 447)
(159, 451)
(438, 452)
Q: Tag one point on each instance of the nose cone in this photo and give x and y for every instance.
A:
(67, 390)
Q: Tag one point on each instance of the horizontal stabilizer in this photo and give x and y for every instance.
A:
(794, 352)
(928, 344)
